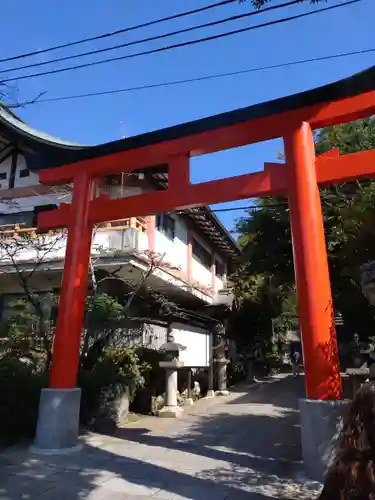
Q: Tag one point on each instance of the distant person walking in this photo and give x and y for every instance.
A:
(295, 359)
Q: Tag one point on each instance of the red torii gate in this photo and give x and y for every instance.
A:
(292, 118)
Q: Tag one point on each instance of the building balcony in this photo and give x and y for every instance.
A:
(21, 243)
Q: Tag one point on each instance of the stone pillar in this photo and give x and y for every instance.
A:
(57, 429)
(220, 360)
(189, 400)
(171, 408)
(321, 423)
(210, 385)
(221, 370)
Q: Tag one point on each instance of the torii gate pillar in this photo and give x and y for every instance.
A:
(59, 405)
(322, 410)
(315, 306)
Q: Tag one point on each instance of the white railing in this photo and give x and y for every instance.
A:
(19, 243)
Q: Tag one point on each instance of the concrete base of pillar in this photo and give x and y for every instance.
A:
(321, 423)
(189, 402)
(58, 422)
(222, 393)
(210, 394)
(170, 412)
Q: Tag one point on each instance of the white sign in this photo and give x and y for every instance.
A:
(224, 297)
(197, 342)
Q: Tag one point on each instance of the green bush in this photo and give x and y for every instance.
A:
(117, 372)
(154, 380)
(19, 399)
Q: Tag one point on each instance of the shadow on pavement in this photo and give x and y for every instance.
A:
(97, 474)
(244, 448)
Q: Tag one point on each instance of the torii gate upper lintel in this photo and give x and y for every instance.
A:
(292, 118)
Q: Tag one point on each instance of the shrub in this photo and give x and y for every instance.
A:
(19, 399)
(115, 378)
(154, 381)
(117, 374)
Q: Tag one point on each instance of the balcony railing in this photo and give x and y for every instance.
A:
(20, 229)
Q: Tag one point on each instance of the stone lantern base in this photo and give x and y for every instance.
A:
(171, 408)
(170, 412)
(221, 364)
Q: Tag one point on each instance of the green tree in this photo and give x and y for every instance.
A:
(266, 266)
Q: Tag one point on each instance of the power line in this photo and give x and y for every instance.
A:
(182, 44)
(192, 80)
(117, 32)
(252, 208)
(153, 38)
(235, 209)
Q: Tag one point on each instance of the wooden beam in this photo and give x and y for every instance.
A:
(331, 168)
(217, 191)
(218, 139)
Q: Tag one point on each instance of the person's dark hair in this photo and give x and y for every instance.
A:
(352, 474)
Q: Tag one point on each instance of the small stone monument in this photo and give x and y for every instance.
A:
(189, 400)
(171, 364)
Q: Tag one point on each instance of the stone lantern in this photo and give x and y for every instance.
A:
(220, 360)
(171, 364)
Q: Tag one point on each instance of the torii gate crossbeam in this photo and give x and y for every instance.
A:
(292, 118)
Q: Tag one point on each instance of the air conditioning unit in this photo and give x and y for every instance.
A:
(224, 297)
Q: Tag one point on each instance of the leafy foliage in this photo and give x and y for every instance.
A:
(19, 397)
(264, 278)
(116, 372)
(25, 336)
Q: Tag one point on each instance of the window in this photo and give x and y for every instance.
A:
(219, 268)
(23, 218)
(25, 172)
(166, 225)
(201, 254)
(3, 175)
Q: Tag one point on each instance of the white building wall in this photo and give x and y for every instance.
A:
(199, 272)
(197, 342)
(30, 180)
(175, 250)
(219, 284)
(218, 281)
(5, 167)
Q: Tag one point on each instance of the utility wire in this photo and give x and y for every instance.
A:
(251, 208)
(234, 209)
(192, 80)
(182, 44)
(117, 32)
(152, 38)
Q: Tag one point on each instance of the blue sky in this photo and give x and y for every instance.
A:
(35, 25)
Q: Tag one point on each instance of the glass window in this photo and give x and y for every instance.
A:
(201, 254)
(219, 268)
(166, 225)
(23, 218)
(25, 172)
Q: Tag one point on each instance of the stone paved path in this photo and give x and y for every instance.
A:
(242, 446)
